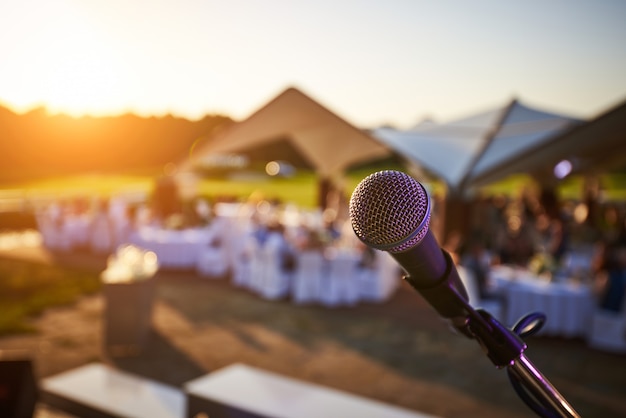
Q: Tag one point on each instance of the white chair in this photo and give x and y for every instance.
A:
(377, 283)
(101, 237)
(257, 269)
(307, 279)
(244, 249)
(342, 283)
(608, 331)
(213, 254)
(274, 283)
(238, 244)
(122, 229)
(53, 235)
(76, 230)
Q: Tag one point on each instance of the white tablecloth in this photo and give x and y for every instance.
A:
(174, 248)
(337, 278)
(567, 305)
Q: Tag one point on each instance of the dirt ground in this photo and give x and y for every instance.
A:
(398, 352)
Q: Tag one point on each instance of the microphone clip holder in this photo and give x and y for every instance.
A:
(503, 346)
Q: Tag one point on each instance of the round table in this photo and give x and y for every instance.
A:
(568, 305)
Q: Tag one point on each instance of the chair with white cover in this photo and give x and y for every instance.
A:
(608, 331)
(213, 256)
(494, 307)
(53, 235)
(342, 286)
(307, 279)
(257, 266)
(274, 280)
(76, 230)
(378, 282)
(244, 249)
(101, 237)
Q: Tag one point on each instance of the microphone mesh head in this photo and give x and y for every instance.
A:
(390, 211)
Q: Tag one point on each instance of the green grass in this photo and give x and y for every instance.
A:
(27, 289)
(613, 186)
(87, 184)
(300, 189)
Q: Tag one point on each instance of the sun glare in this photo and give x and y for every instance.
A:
(82, 77)
(73, 67)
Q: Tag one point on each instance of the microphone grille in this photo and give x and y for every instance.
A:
(390, 211)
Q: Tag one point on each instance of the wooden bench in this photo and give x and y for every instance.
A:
(98, 391)
(243, 391)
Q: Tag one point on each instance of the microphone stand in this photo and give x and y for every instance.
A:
(503, 346)
(506, 349)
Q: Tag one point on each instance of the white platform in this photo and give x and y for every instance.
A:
(97, 390)
(244, 391)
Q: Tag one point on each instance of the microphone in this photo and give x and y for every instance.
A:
(390, 211)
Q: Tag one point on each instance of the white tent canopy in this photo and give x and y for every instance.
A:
(594, 147)
(463, 149)
(324, 139)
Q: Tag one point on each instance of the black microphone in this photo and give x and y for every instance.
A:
(390, 211)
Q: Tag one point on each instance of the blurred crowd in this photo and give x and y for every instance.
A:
(561, 240)
(585, 241)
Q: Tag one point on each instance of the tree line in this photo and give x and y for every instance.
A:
(37, 144)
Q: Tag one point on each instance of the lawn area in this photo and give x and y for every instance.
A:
(300, 189)
(27, 288)
(613, 186)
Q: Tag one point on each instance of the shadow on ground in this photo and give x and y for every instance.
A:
(159, 359)
(398, 352)
(402, 337)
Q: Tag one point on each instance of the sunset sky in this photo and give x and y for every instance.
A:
(373, 62)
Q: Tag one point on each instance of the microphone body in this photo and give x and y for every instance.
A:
(390, 211)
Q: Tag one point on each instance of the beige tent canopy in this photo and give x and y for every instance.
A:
(326, 141)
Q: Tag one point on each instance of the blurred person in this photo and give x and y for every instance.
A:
(102, 232)
(477, 260)
(494, 221)
(330, 232)
(276, 238)
(612, 278)
(559, 239)
(260, 230)
(197, 212)
(552, 236)
(515, 243)
(367, 259)
(613, 225)
(484, 221)
(166, 199)
(309, 239)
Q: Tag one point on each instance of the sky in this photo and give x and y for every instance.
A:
(390, 62)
